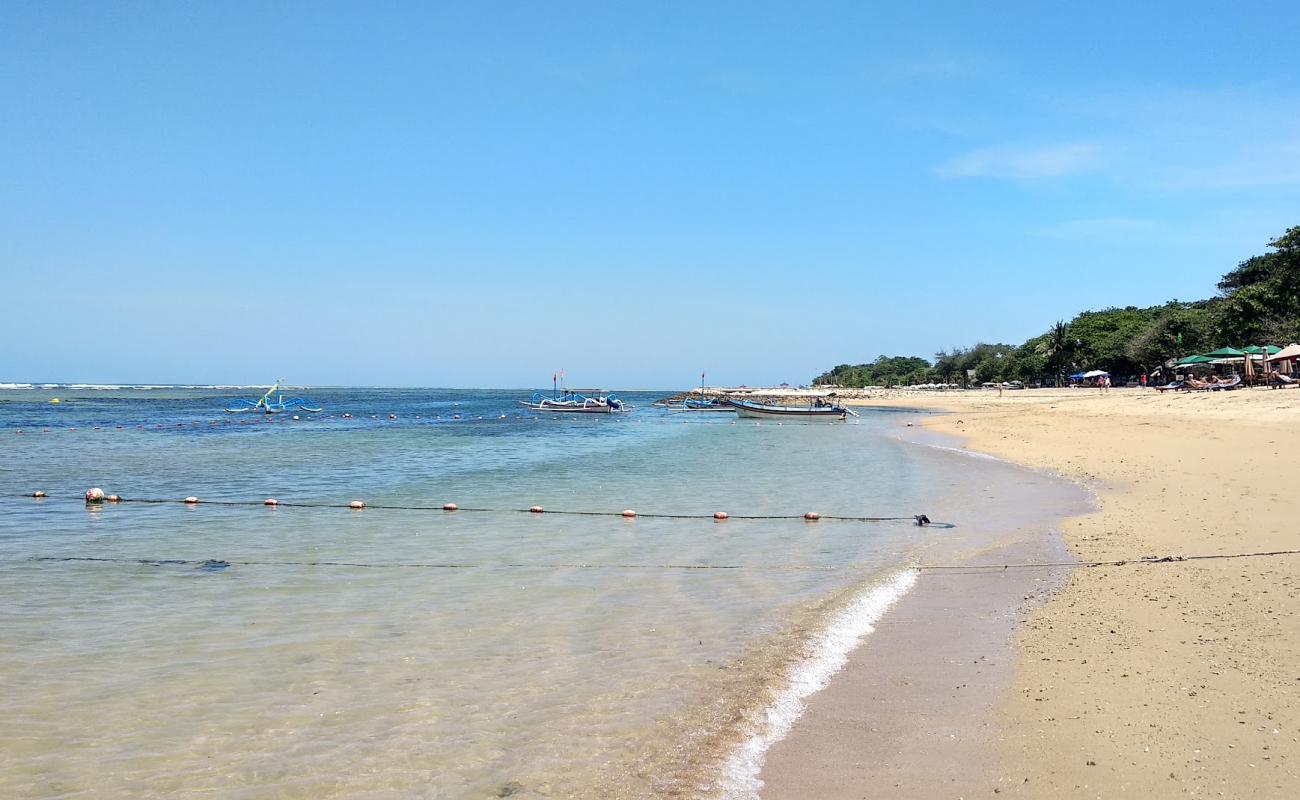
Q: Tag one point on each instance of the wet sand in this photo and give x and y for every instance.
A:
(910, 715)
(1144, 680)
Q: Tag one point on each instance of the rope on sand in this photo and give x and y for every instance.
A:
(1123, 562)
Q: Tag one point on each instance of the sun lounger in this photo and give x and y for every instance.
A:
(1172, 386)
(1223, 386)
(1280, 381)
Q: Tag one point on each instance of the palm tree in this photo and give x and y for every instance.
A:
(1056, 347)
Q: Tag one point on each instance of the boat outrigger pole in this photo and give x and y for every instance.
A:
(265, 402)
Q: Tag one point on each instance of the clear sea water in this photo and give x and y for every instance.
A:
(465, 654)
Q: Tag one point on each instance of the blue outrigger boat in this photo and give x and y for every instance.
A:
(269, 406)
(701, 403)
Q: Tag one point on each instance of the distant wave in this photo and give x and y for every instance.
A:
(140, 387)
(829, 652)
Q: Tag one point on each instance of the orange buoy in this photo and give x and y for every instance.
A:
(112, 498)
(270, 501)
(812, 516)
(191, 500)
(629, 513)
(356, 505)
(719, 515)
(38, 493)
(449, 506)
(95, 495)
(537, 509)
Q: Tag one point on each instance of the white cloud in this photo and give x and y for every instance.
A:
(1025, 163)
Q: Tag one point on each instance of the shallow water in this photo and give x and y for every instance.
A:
(467, 654)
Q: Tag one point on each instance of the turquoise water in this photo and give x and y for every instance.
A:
(441, 654)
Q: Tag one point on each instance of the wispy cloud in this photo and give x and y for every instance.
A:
(1156, 139)
(1025, 163)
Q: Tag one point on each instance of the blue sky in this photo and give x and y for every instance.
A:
(477, 194)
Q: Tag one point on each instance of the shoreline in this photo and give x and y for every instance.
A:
(1152, 680)
(907, 714)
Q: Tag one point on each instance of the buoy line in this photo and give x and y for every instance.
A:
(96, 497)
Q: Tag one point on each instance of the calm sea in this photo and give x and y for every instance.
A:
(255, 652)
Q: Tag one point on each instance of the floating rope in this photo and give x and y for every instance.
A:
(717, 516)
(213, 564)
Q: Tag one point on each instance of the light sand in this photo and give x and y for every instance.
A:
(1164, 680)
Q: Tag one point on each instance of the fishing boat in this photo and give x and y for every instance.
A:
(577, 401)
(273, 406)
(819, 411)
(574, 401)
(701, 403)
(708, 404)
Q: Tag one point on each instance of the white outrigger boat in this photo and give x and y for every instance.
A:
(819, 411)
(574, 401)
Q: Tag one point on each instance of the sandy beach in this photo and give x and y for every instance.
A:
(1143, 680)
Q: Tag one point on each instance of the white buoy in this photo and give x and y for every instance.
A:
(95, 495)
(356, 505)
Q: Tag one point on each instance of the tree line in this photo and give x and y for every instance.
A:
(1258, 303)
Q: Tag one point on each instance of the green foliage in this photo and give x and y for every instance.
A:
(884, 371)
(1261, 297)
(1260, 304)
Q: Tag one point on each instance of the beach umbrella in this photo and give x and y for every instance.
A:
(1184, 362)
(1266, 350)
(1290, 351)
(1226, 352)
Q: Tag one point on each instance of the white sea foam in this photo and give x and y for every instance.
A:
(15, 386)
(970, 453)
(828, 653)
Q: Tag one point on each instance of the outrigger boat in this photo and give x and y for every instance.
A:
(575, 401)
(701, 403)
(269, 406)
(819, 411)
